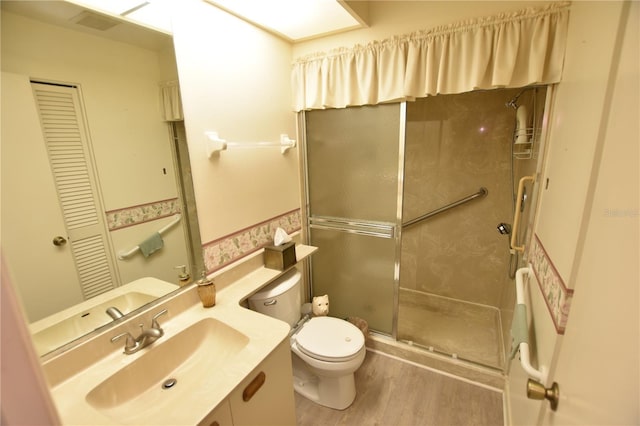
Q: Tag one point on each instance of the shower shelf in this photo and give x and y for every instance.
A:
(526, 154)
(524, 140)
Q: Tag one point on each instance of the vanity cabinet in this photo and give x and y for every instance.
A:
(264, 397)
(270, 402)
(220, 416)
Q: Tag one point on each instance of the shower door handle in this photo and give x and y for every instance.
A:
(353, 226)
(516, 217)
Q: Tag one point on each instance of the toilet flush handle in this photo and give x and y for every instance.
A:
(270, 302)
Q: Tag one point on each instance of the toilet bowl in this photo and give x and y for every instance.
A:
(326, 351)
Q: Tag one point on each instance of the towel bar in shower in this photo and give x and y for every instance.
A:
(481, 193)
(124, 254)
(525, 360)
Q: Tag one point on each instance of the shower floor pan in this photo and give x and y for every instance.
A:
(464, 330)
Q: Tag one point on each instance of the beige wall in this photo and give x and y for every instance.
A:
(253, 101)
(604, 312)
(588, 225)
(120, 90)
(234, 80)
(23, 386)
(575, 129)
(131, 145)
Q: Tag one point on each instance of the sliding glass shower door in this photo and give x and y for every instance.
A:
(354, 208)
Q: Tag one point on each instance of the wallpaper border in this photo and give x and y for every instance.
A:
(142, 213)
(223, 251)
(556, 294)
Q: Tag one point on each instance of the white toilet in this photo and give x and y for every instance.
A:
(326, 350)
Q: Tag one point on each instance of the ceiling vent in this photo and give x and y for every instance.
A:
(94, 20)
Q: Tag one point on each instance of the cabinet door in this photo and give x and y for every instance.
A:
(265, 397)
(220, 416)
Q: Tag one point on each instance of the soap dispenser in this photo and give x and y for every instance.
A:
(206, 291)
(183, 277)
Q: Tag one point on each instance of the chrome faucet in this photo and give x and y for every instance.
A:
(146, 337)
(114, 313)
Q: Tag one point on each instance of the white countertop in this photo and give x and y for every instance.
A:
(73, 374)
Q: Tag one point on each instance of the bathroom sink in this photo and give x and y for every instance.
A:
(168, 371)
(51, 332)
(85, 321)
(206, 354)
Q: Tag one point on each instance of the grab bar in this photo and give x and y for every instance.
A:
(481, 193)
(525, 360)
(124, 254)
(516, 217)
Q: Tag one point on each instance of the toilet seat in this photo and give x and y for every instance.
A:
(330, 339)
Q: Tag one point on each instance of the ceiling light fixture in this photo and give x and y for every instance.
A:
(293, 20)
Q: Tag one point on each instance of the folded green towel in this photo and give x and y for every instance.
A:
(151, 244)
(519, 328)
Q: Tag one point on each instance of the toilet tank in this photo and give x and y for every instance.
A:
(280, 299)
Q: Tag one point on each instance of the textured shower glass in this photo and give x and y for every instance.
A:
(352, 157)
(356, 271)
(352, 161)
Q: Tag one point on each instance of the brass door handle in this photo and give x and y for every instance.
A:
(536, 390)
(59, 241)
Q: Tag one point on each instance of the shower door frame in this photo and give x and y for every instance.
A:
(537, 187)
(397, 228)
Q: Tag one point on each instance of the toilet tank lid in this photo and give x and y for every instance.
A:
(279, 286)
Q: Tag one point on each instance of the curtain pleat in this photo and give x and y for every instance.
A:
(170, 101)
(508, 50)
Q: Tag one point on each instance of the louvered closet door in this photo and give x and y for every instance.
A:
(66, 140)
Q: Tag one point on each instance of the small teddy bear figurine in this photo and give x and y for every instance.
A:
(320, 305)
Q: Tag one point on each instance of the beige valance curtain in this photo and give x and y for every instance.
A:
(170, 101)
(508, 50)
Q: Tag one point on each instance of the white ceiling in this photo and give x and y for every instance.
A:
(293, 20)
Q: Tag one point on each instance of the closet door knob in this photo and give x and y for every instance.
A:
(59, 241)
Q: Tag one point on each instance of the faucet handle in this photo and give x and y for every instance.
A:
(154, 320)
(131, 342)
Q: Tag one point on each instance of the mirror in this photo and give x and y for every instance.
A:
(134, 159)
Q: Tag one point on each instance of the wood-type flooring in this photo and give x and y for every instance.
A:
(393, 392)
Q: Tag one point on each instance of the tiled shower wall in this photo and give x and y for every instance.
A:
(456, 144)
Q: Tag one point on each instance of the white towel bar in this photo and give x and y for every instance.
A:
(215, 144)
(124, 254)
(525, 360)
